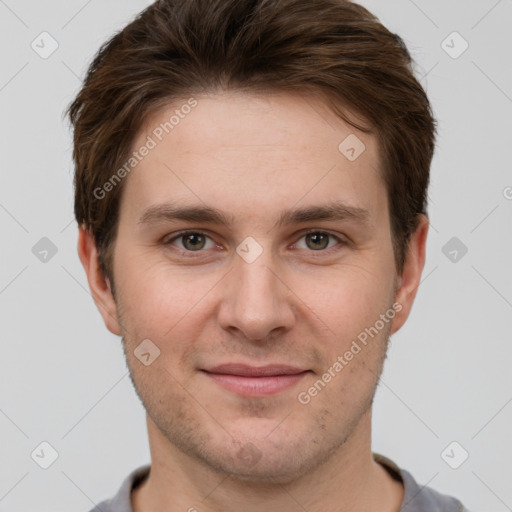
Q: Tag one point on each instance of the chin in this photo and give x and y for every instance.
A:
(269, 469)
(279, 461)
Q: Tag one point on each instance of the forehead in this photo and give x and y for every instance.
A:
(266, 152)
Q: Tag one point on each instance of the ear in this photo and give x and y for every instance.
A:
(409, 280)
(98, 282)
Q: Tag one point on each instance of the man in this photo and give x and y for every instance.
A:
(251, 182)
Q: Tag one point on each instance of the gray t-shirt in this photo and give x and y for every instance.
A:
(416, 497)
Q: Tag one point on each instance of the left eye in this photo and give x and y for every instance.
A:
(317, 241)
(192, 241)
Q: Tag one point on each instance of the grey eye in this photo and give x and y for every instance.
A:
(193, 241)
(317, 241)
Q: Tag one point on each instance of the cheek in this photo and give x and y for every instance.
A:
(155, 296)
(346, 300)
(169, 306)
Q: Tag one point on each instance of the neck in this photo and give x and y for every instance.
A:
(348, 480)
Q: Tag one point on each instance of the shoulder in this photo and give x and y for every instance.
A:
(418, 498)
(121, 502)
(422, 498)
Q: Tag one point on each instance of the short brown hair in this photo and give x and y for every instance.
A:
(176, 48)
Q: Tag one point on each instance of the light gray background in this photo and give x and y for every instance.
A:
(62, 374)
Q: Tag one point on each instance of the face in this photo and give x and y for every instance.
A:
(255, 258)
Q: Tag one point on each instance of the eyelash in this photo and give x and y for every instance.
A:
(341, 241)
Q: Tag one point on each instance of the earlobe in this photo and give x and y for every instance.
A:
(99, 284)
(409, 280)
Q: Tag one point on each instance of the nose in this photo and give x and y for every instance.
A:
(256, 303)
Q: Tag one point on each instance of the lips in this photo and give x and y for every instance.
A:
(243, 370)
(248, 380)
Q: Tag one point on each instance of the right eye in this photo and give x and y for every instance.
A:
(191, 241)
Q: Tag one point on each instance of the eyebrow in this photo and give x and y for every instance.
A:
(168, 212)
(335, 211)
(331, 211)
